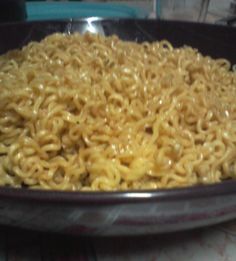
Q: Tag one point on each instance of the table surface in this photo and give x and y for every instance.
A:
(216, 243)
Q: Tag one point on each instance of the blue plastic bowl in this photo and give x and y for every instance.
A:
(64, 10)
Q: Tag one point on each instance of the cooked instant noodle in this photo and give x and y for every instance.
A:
(86, 112)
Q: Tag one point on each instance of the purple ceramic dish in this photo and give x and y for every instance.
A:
(130, 212)
(118, 213)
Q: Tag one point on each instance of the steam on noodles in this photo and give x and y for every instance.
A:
(86, 112)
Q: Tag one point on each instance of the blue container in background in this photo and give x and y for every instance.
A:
(37, 10)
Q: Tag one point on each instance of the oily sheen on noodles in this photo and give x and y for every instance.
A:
(86, 112)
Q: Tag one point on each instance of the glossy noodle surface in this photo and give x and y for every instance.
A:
(86, 112)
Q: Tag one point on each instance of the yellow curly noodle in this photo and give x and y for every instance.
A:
(86, 112)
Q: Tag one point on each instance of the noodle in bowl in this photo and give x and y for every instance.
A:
(87, 112)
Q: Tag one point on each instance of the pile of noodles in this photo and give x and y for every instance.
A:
(86, 112)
